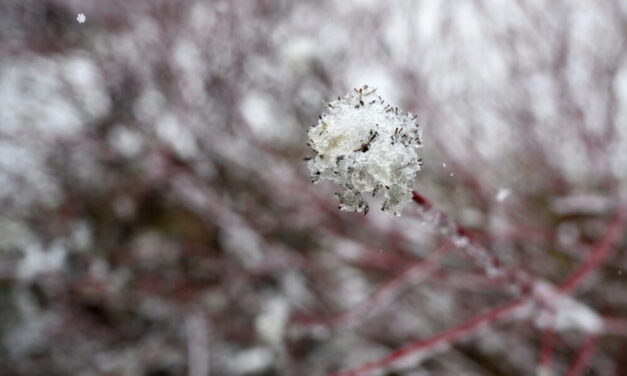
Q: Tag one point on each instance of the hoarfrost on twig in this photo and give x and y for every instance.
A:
(366, 146)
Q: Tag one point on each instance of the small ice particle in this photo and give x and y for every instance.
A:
(366, 146)
(444, 164)
(461, 241)
(81, 18)
(502, 194)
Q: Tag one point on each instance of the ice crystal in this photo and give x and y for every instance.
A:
(502, 194)
(366, 146)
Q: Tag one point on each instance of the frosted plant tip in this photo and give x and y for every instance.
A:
(366, 146)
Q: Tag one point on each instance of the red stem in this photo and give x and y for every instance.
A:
(583, 357)
(386, 292)
(546, 349)
(444, 338)
(421, 200)
(477, 252)
(598, 255)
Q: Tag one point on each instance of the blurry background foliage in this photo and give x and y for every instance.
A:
(157, 217)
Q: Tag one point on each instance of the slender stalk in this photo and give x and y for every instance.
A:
(477, 252)
(480, 254)
(598, 255)
(413, 274)
(584, 355)
(545, 359)
(441, 340)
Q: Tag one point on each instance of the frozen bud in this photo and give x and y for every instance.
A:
(366, 146)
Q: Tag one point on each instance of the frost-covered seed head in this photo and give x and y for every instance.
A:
(366, 146)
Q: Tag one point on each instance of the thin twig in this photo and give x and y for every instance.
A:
(584, 355)
(421, 347)
(386, 292)
(598, 255)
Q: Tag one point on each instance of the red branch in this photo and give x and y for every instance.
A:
(600, 252)
(444, 338)
(476, 251)
(583, 357)
(598, 255)
(386, 292)
(546, 349)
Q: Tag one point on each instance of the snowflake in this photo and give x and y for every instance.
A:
(80, 18)
(502, 194)
(366, 146)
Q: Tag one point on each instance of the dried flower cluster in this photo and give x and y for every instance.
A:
(366, 146)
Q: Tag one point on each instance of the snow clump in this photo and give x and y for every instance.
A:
(366, 146)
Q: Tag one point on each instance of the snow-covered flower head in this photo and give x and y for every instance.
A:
(366, 146)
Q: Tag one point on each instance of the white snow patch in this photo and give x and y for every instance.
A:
(37, 260)
(254, 360)
(502, 194)
(566, 313)
(270, 324)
